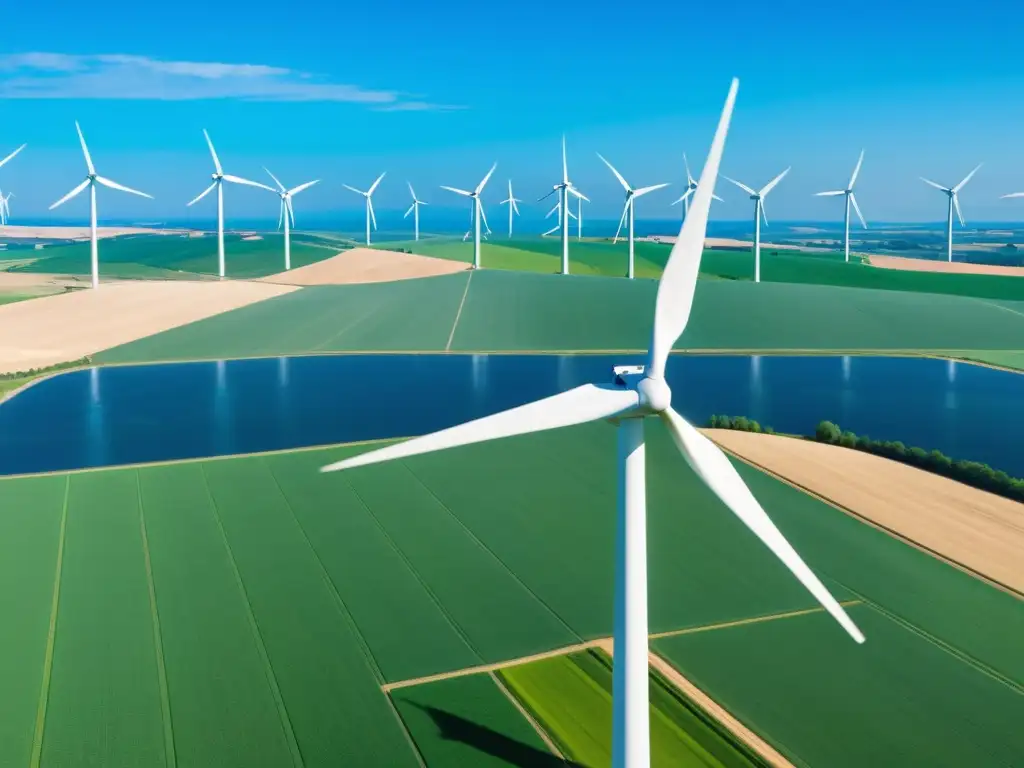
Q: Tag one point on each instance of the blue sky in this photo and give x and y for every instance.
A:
(343, 91)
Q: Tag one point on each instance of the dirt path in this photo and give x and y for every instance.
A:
(976, 530)
(709, 705)
(367, 265)
(15, 231)
(955, 267)
(69, 326)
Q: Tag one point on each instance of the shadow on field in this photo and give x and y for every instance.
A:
(483, 739)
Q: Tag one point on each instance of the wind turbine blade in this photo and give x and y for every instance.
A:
(276, 180)
(565, 165)
(679, 279)
(114, 185)
(622, 220)
(462, 192)
(967, 178)
(357, 191)
(291, 211)
(556, 207)
(618, 175)
(552, 230)
(71, 194)
(742, 186)
(831, 193)
(937, 186)
(764, 216)
(572, 215)
(515, 207)
(12, 155)
(411, 191)
(85, 150)
(374, 185)
(301, 187)
(369, 206)
(549, 194)
(771, 184)
(280, 214)
(483, 215)
(482, 184)
(576, 406)
(689, 178)
(857, 209)
(716, 197)
(1012, 194)
(246, 182)
(203, 194)
(645, 190)
(718, 473)
(956, 204)
(577, 193)
(856, 170)
(677, 202)
(409, 211)
(213, 153)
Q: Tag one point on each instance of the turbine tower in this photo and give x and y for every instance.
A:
(414, 209)
(628, 208)
(635, 393)
(288, 212)
(478, 212)
(219, 177)
(511, 201)
(850, 199)
(563, 190)
(954, 202)
(758, 198)
(691, 187)
(91, 180)
(368, 194)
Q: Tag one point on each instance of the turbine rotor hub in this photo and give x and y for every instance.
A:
(654, 393)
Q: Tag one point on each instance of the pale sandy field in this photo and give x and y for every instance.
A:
(69, 326)
(980, 531)
(954, 267)
(367, 265)
(13, 231)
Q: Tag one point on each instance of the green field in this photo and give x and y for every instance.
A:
(571, 697)
(518, 311)
(246, 611)
(173, 256)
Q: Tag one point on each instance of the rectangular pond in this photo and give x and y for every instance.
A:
(131, 414)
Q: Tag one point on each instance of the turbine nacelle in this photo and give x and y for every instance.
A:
(653, 394)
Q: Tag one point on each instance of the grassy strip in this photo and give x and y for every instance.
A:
(972, 473)
(16, 379)
(571, 696)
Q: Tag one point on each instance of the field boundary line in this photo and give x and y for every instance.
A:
(548, 741)
(878, 526)
(751, 620)
(158, 643)
(268, 668)
(480, 543)
(44, 693)
(458, 314)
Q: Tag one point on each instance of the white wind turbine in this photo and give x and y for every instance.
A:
(91, 180)
(219, 177)
(691, 187)
(628, 208)
(288, 212)
(850, 199)
(478, 212)
(414, 209)
(563, 190)
(511, 201)
(368, 194)
(5, 208)
(758, 198)
(954, 202)
(638, 392)
(557, 209)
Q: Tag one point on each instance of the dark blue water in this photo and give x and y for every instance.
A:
(123, 415)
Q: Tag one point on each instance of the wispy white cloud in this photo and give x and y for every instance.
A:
(121, 76)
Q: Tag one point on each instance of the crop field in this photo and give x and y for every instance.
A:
(589, 257)
(247, 611)
(171, 256)
(517, 311)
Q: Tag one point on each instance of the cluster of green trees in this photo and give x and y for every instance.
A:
(46, 369)
(973, 473)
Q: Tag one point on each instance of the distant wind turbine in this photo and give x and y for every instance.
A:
(954, 202)
(563, 190)
(631, 395)
(478, 212)
(511, 201)
(758, 198)
(91, 180)
(288, 213)
(556, 208)
(850, 199)
(691, 187)
(628, 209)
(414, 209)
(219, 177)
(368, 194)
(5, 208)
